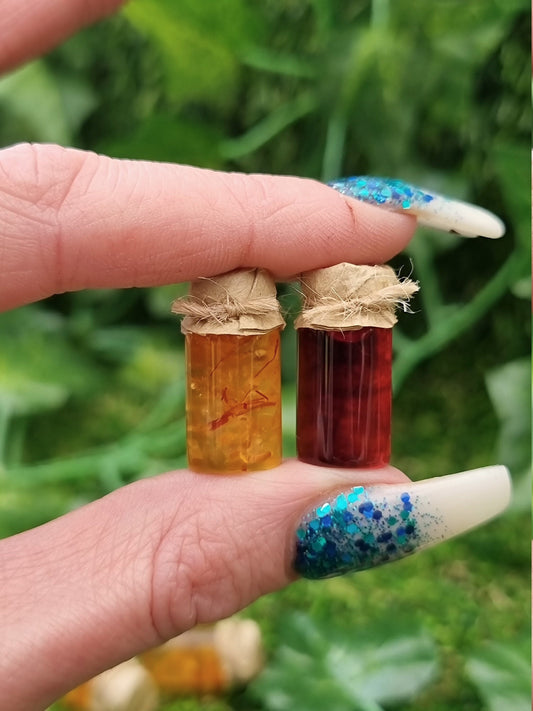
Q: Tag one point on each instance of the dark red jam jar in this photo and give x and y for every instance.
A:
(345, 364)
(344, 397)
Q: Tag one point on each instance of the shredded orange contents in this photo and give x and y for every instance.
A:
(233, 402)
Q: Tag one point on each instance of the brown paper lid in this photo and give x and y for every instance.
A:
(351, 296)
(242, 303)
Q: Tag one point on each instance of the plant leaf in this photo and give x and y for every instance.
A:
(514, 170)
(502, 677)
(39, 367)
(395, 670)
(198, 44)
(35, 86)
(509, 389)
(352, 669)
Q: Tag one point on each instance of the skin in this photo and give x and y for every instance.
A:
(151, 560)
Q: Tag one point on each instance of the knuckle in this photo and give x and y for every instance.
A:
(242, 204)
(261, 200)
(193, 577)
(256, 203)
(38, 176)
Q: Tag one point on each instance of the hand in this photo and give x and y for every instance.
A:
(149, 561)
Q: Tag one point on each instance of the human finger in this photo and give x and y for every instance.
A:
(72, 220)
(149, 561)
(30, 28)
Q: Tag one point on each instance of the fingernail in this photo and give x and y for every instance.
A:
(365, 527)
(431, 209)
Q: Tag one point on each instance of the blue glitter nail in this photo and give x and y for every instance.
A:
(431, 209)
(323, 510)
(341, 503)
(342, 535)
(387, 192)
(355, 531)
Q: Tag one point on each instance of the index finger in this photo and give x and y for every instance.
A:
(73, 220)
(28, 29)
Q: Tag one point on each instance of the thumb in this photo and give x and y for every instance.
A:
(149, 561)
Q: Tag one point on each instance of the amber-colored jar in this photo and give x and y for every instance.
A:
(233, 402)
(344, 365)
(232, 336)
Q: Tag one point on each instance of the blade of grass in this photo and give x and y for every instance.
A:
(273, 124)
(285, 64)
(128, 455)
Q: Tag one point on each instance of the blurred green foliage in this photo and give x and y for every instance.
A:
(91, 384)
(348, 670)
(502, 676)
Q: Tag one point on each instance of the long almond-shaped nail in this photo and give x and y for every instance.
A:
(365, 527)
(431, 209)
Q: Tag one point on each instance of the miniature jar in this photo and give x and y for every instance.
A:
(233, 404)
(345, 364)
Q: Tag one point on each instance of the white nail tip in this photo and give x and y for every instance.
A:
(459, 502)
(460, 217)
(468, 499)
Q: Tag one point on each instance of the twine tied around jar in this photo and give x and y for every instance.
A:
(242, 302)
(351, 296)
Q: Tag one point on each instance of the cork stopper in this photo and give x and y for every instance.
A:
(347, 297)
(242, 303)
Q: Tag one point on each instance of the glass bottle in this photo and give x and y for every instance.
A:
(232, 341)
(344, 397)
(344, 401)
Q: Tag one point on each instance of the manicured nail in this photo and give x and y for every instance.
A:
(365, 527)
(431, 209)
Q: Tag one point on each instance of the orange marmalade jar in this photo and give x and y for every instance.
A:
(232, 331)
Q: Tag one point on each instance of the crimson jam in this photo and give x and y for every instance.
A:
(344, 397)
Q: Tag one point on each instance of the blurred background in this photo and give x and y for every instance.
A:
(91, 384)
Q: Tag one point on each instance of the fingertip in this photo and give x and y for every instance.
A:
(29, 29)
(302, 224)
(390, 232)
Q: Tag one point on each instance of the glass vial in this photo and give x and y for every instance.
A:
(344, 397)
(232, 339)
(344, 402)
(233, 402)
